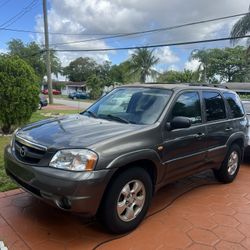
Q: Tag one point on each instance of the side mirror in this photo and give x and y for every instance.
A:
(179, 122)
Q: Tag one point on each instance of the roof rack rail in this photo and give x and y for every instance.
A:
(209, 85)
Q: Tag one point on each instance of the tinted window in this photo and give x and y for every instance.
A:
(234, 104)
(214, 104)
(188, 105)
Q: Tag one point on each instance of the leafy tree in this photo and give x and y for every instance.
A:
(94, 83)
(203, 57)
(172, 76)
(103, 72)
(230, 64)
(18, 92)
(227, 64)
(142, 62)
(32, 54)
(80, 69)
(122, 73)
(241, 28)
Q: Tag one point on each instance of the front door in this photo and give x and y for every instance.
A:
(185, 148)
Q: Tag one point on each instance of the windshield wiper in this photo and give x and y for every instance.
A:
(117, 118)
(91, 113)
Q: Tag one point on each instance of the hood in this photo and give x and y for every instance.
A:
(74, 131)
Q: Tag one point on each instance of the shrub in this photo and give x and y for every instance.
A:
(95, 85)
(19, 93)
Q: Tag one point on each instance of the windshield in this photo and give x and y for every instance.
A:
(131, 105)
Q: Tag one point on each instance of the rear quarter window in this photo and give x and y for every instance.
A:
(235, 105)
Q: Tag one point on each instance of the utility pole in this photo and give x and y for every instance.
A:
(48, 64)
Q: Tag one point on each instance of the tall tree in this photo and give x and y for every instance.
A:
(32, 54)
(142, 62)
(230, 64)
(172, 76)
(203, 57)
(241, 28)
(80, 69)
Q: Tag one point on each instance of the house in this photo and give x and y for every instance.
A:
(66, 87)
(239, 87)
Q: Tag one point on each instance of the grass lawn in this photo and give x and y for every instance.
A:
(5, 182)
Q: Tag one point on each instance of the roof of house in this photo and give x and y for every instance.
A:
(238, 86)
(67, 83)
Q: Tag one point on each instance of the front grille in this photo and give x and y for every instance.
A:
(28, 153)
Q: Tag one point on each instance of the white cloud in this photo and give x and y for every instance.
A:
(119, 16)
(166, 55)
(173, 67)
(3, 51)
(192, 65)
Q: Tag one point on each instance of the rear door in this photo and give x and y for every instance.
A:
(218, 127)
(185, 149)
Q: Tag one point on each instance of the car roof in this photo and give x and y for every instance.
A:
(178, 86)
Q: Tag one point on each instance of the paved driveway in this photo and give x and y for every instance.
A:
(207, 215)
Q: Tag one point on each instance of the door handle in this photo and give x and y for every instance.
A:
(228, 129)
(199, 136)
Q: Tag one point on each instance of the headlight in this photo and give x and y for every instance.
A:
(13, 138)
(74, 160)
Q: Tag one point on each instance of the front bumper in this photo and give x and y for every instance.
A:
(74, 191)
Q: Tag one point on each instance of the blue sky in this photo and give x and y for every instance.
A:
(114, 16)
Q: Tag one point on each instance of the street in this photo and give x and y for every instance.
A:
(76, 104)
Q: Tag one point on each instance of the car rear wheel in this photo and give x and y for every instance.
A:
(230, 166)
(126, 201)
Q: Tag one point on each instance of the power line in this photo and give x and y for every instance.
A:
(21, 13)
(151, 46)
(57, 33)
(123, 34)
(153, 30)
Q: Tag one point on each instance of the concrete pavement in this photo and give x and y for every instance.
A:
(194, 213)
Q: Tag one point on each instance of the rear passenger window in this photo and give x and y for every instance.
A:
(188, 105)
(234, 104)
(214, 105)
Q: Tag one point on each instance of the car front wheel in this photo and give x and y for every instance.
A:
(126, 201)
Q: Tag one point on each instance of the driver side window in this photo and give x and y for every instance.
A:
(188, 105)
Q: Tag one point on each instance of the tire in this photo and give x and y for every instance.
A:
(121, 194)
(39, 106)
(74, 98)
(230, 166)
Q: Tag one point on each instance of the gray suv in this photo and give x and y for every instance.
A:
(110, 159)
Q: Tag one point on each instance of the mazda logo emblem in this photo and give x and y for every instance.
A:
(23, 151)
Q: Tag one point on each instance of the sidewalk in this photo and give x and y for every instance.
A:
(212, 216)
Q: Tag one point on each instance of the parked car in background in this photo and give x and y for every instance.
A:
(54, 92)
(78, 95)
(43, 101)
(110, 159)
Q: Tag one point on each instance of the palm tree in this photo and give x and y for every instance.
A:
(142, 62)
(241, 28)
(203, 57)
